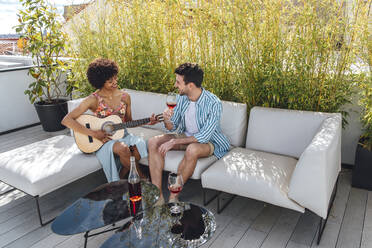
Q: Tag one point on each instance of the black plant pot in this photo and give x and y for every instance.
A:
(51, 114)
(362, 172)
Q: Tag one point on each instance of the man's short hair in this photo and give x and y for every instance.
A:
(191, 73)
(100, 70)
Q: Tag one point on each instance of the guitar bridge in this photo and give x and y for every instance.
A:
(90, 138)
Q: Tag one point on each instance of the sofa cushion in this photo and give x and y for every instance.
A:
(234, 122)
(173, 159)
(145, 133)
(258, 175)
(46, 165)
(146, 103)
(282, 131)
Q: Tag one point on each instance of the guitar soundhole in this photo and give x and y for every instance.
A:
(87, 125)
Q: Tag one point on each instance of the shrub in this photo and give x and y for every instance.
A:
(43, 39)
(274, 53)
(365, 86)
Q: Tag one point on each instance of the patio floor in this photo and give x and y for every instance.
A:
(244, 223)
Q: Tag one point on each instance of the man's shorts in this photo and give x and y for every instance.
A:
(183, 147)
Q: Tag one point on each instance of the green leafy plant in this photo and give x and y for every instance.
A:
(274, 53)
(365, 102)
(365, 84)
(45, 42)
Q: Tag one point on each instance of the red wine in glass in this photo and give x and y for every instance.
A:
(171, 100)
(175, 184)
(175, 189)
(171, 105)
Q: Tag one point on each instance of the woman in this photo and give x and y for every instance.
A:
(108, 100)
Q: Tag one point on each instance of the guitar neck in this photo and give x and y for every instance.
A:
(130, 124)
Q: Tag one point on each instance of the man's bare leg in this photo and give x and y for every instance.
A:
(156, 160)
(193, 152)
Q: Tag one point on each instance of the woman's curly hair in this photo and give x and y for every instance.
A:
(100, 70)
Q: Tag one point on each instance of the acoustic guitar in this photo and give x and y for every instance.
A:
(113, 125)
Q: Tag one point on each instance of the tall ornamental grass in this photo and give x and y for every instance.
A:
(365, 86)
(274, 53)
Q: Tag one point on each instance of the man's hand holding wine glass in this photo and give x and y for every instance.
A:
(171, 103)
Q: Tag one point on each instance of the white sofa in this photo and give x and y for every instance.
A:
(291, 159)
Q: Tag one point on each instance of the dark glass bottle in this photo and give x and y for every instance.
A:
(134, 186)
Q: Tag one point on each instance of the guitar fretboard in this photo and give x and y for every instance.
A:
(130, 124)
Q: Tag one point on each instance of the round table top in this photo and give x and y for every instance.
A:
(105, 205)
(158, 227)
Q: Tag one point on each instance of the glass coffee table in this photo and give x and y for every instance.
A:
(105, 205)
(158, 227)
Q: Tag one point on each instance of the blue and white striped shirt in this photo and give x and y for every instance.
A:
(208, 115)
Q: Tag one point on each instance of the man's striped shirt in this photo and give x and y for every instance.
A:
(208, 115)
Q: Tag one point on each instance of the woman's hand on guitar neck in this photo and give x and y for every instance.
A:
(101, 135)
(153, 120)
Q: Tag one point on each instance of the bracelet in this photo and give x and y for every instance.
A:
(131, 148)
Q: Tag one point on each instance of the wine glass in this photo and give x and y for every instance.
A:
(171, 100)
(175, 184)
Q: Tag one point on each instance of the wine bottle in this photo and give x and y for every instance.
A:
(134, 186)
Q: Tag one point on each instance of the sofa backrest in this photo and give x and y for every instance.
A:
(233, 120)
(282, 131)
(145, 103)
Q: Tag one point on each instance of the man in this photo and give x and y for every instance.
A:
(196, 118)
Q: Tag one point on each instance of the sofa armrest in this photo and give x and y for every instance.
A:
(72, 104)
(317, 169)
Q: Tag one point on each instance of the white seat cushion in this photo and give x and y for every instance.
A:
(173, 159)
(47, 165)
(145, 133)
(258, 175)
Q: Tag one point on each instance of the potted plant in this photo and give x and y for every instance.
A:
(45, 42)
(362, 172)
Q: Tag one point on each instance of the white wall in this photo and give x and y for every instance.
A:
(351, 133)
(15, 108)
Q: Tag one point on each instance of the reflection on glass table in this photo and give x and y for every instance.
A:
(158, 227)
(106, 205)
